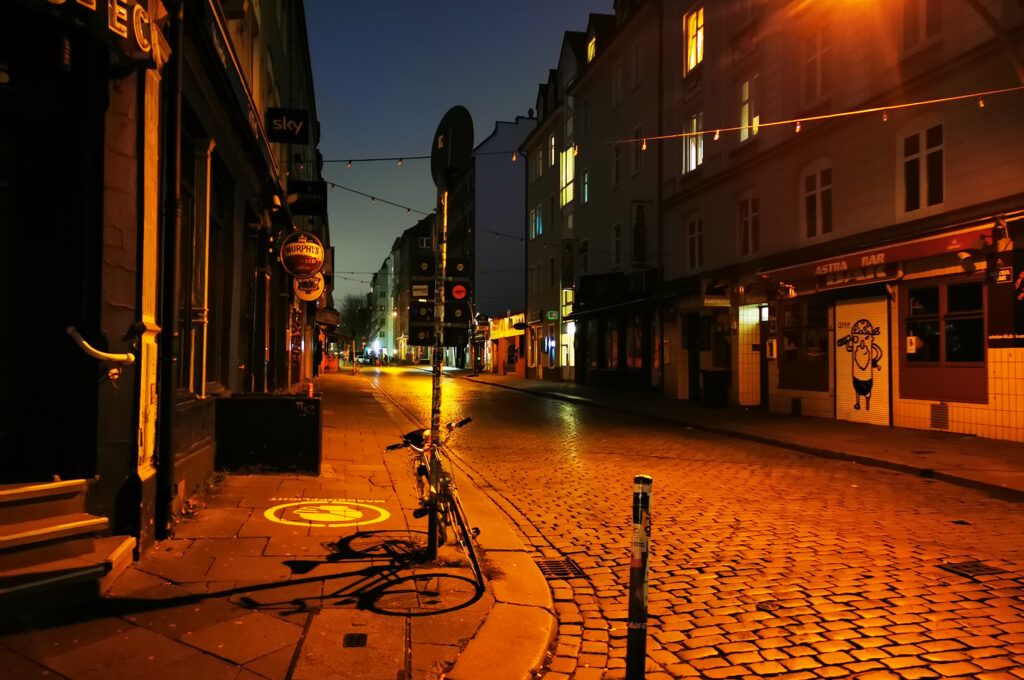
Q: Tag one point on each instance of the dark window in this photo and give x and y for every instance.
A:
(944, 342)
(803, 344)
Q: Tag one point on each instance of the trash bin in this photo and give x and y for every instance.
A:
(269, 432)
(714, 387)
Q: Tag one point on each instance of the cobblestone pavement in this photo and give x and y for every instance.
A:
(765, 562)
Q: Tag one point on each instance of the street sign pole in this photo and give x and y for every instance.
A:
(636, 628)
(436, 363)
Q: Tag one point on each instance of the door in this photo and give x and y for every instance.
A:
(862, 364)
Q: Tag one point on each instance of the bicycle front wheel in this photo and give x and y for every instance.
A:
(464, 534)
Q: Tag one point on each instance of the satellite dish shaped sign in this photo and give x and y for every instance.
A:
(302, 254)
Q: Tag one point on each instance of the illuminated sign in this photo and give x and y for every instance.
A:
(289, 126)
(302, 254)
(125, 23)
(309, 289)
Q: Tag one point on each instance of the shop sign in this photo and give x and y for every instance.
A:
(288, 126)
(715, 301)
(308, 198)
(309, 289)
(302, 254)
(858, 276)
(1006, 301)
(123, 23)
(506, 326)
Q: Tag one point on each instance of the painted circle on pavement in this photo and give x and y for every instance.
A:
(326, 513)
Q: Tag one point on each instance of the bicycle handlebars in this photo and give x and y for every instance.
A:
(418, 439)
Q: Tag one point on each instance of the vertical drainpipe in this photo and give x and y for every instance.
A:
(658, 192)
(171, 243)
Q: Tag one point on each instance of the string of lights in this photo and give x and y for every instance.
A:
(796, 123)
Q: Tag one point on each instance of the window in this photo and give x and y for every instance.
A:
(693, 145)
(639, 235)
(566, 175)
(423, 243)
(695, 239)
(617, 84)
(570, 116)
(586, 187)
(616, 165)
(817, 210)
(551, 150)
(944, 342)
(636, 159)
(553, 213)
(584, 116)
(533, 224)
(551, 272)
(749, 217)
(537, 221)
(591, 49)
(803, 344)
(923, 169)
(922, 21)
(636, 66)
(693, 27)
(539, 163)
(817, 66)
(584, 256)
(750, 116)
(617, 244)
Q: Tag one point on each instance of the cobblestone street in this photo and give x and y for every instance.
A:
(765, 562)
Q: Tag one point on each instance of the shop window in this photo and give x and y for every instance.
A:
(943, 342)
(634, 343)
(803, 345)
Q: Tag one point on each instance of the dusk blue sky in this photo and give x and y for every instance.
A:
(385, 73)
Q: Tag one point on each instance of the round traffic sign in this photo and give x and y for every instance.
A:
(459, 292)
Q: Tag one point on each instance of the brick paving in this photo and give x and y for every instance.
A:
(765, 562)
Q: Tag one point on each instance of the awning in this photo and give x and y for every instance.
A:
(874, 265)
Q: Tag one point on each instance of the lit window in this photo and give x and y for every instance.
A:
(817, 212)
(586, 187)
(693, 25)
(749, 218)
(923, 169)
(551, 150)
(694, 143)
(567, 175)
(750, 117)
(591, 49)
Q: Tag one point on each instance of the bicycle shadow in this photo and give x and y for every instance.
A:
(398, 582)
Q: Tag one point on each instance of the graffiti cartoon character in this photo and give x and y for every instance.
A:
(861, 343)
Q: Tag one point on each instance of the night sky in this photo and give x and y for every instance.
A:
(385, 73)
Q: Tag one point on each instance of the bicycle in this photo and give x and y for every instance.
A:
(439, 495)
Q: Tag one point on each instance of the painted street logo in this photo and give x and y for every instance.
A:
(326, 512)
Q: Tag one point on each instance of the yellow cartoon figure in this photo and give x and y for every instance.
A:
(861, 343)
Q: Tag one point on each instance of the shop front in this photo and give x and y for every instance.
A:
(925, 333)
(505, 355)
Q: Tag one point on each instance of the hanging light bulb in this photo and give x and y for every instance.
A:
(349, 164)
(885, 116)
(981, 103)
(798, 126)
(575, 149)
(333, 187)
(373, 200)
(408, 212)
(643, 145)
(399, 161)
(514, 156)
(717, 135)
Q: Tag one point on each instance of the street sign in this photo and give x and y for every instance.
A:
(452, 147)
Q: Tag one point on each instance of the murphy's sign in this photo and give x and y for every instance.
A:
(302, 254)
(125, 24)
(288, 126)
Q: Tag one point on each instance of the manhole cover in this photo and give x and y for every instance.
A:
(972, 568)
(564, 568)
(354, 640)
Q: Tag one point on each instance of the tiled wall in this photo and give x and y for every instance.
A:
(748, 362)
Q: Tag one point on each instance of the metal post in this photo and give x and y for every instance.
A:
(440, 255)
(636, 633)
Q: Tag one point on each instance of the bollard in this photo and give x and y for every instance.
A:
(636, 633)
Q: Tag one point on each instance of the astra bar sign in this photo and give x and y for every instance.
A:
(302, 254)
(288, 126)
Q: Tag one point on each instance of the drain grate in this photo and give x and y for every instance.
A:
(972, 568)
(564, 568)
(354, 640)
